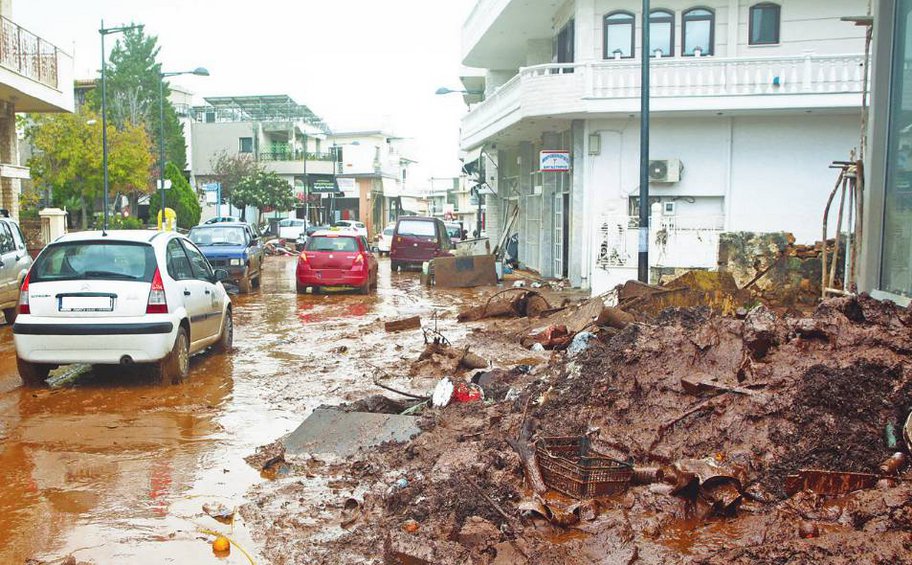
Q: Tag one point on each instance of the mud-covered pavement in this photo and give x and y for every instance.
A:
(111, 468)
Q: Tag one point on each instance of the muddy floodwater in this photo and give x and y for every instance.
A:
(110, 468)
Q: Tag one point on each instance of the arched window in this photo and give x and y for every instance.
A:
(764, 24)
(618, 32)
(661, 33)
(698, 32)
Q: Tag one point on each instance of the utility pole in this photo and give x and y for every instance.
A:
(643, 263)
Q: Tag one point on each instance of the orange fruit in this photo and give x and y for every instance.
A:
(221, 545)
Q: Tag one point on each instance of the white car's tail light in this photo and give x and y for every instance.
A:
(157, 304)
(24, 296)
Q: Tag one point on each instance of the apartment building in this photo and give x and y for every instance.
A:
(751, 102)
(35, 76)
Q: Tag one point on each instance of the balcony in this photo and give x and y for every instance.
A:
(294, 156)
(496, 32)
(39, 76)
(705, 84)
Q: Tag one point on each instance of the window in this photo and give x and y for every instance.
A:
(764, 24)
(178, 264)
(661, 33)
(201, 269)
(80, 260)
(698, 35)
(563, 44)
(18, 237)
(218, 235)
(896, 255)
(618, 35)
(416, 228)
(7, 245)
(331, 243)
(245, 145)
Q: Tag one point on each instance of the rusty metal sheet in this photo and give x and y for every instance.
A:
(828, 482)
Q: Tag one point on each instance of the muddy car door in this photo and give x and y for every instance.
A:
(211, 300)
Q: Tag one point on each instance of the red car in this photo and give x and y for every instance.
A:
(336, 258)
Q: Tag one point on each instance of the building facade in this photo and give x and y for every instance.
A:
(886, 259)
(35, 76)
(336, 176)
(751, 102)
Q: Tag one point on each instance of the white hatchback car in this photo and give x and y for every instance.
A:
(120, 298)
(357, 227)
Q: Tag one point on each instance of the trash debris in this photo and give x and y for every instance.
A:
(522, 303)
(464, 272)
(443, 392)
(829, 482)
(551, 337)
(808, 530)
(221, 546)
(894, 464)
(466, 392)
(907, 432)
(351, 511)
(519, 284)
(410, 526)
(219, 511)
(580, 343)
(572, 467)
(410, 323)
(537, 348)
(336, 433)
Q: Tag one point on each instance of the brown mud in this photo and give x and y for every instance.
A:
(776, 394)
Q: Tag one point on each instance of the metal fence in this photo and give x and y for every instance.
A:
(24, 52)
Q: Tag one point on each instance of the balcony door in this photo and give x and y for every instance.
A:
(563, 51)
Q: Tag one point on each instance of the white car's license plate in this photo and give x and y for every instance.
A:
(86, 303)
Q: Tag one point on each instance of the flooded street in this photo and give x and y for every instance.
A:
(111, 468)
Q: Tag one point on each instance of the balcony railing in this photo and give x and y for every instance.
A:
(675, 83)
(294, 156)
(25, 53)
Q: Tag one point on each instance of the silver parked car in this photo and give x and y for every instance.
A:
(15, 262)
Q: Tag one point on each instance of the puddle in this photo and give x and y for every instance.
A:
(111, 468)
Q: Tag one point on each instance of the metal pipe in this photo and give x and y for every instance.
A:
(161, 147)
(104, 128)
(643, 263)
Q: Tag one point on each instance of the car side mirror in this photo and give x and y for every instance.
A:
(221, 275)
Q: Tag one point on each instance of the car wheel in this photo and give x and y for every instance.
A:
(366, 287)
(315, 289)
(10, 315)
(175, 367)
(244, 285)
(223, 345)
(256, 281)
(395, 265)
(33, 374)
(301, 289)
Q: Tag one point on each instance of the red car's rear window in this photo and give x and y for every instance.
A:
(328, 243)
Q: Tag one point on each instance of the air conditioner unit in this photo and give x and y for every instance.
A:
(668, 170)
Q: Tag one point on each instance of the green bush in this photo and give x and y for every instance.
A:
(118, 222)
(181, 198)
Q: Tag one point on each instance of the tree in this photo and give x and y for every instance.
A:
(231, 170)
(133, 93)
(68, 159)
(181, 198)
(247, 193)
(276, 193)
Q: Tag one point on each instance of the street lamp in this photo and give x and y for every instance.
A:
(103, 31)
(200, 72)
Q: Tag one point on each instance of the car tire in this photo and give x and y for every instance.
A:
(315, 290)
(226, 339)
(33, 374)
(256, 282)
(366, 287)
(175, 367)
(395, 265)
(299, 288)
(10, 315)
(244, 285)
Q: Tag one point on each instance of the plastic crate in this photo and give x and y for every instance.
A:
(571, 466)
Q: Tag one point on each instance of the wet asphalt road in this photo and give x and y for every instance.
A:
(113, 469)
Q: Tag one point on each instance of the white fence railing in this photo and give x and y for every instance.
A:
(569, 85)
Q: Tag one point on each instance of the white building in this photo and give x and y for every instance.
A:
(751, 102)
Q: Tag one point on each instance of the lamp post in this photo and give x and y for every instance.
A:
(643, 256)
(103, 31)
(199, 71)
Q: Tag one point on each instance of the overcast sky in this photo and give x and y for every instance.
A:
(359, 64)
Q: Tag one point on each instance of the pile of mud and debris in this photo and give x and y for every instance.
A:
(683, 437)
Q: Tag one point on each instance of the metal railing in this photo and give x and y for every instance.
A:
(294, 156)
(23, 52)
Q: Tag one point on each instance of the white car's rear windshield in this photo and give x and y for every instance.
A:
(416, 228)
(326, 243)
(89, 260)
(291, 223)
